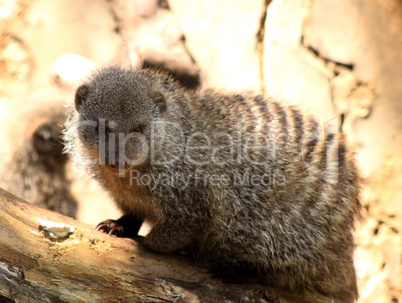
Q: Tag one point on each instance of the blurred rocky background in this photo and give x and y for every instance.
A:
(341, 60)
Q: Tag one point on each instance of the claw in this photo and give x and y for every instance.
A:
(113, 231)
(111, 227)
(101, 227)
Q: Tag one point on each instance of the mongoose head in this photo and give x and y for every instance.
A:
(41, 116)
(47, 144)
(46, 139)
(117, 110)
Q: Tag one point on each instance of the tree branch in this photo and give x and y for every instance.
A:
(89, 266)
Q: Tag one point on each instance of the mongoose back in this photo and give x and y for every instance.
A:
(241, 181)
(33, 163)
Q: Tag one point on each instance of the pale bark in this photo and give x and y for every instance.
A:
(89, 266)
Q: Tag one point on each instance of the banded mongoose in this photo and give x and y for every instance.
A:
(240, 181)
(33, 163)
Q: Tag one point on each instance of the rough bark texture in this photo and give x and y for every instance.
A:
(90, 266)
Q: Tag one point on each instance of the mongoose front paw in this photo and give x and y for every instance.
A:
(127, 226)
(111, 227)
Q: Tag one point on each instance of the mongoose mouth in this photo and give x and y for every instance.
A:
(118, 168)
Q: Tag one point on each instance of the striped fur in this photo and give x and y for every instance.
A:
(287, 211)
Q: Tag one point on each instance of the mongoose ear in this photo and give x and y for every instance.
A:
(160, 100)
(80, 95)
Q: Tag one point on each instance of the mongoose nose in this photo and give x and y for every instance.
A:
(114, 166)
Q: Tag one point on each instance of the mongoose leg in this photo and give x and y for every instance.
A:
(127, 226)
(168, 237)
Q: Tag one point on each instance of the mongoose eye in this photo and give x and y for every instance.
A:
(138, 130)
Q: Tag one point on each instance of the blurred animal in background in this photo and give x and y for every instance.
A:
(33, 163)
